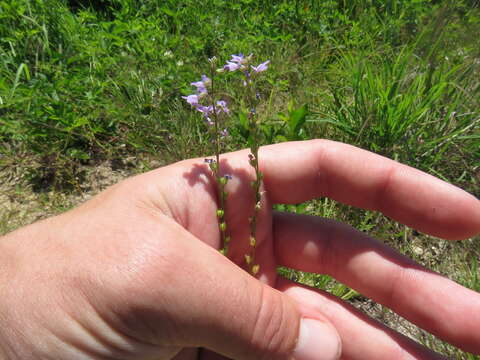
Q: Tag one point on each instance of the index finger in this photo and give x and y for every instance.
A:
(299, 171)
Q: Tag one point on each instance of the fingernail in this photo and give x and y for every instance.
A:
(317, 341)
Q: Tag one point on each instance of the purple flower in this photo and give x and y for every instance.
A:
(238, 58)
(223, 106)
(209, 161)
(201, 89)
(231, 66)
(262, 67)
(228, 176)
(205, 110)
(224, 133)
(202, 85)
(206, 80)
(192, 99)
(236, 62)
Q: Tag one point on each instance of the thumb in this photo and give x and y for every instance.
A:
(212, 303)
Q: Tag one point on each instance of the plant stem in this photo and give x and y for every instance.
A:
(256, 184)
(220, 180)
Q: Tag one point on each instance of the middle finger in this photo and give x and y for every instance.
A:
(430, 300)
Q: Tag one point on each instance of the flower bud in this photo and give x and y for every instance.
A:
(213, 166)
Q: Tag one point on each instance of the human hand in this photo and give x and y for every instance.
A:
(134, 273)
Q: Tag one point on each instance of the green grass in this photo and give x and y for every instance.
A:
(87, 82)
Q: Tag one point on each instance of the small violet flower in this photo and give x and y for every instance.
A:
(223, 106)
(239, 59)
(192, 100)
(205, 110)
(262, 67)
(202, 85)
(237, 62)
(231, 66)
(206, 80)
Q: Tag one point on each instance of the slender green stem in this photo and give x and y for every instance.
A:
(220, 180)
(256, 184)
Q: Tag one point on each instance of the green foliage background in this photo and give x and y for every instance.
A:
(84, 80)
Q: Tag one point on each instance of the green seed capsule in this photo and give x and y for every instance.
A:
(213, 166)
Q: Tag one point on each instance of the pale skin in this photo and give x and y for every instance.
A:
(135, 273)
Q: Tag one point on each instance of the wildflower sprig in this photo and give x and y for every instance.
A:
(250, 73)
(214, 111)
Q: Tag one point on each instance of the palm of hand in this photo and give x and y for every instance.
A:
(324, 246)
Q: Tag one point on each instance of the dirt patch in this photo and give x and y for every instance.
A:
(22, 204)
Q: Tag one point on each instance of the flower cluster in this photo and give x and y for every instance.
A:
(214, 111)
(242, 62)
(213, 108)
